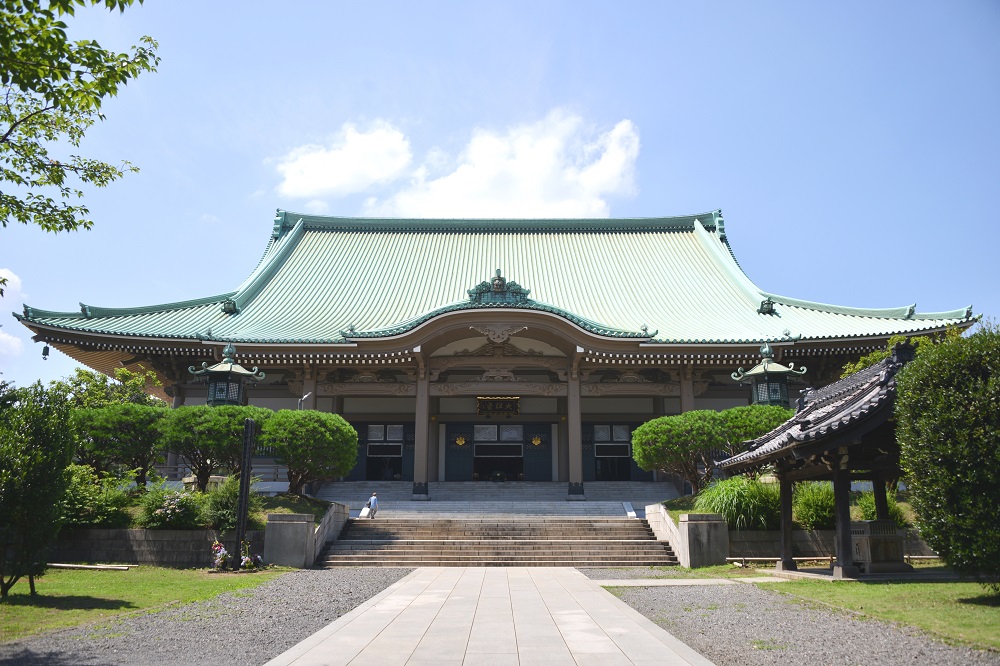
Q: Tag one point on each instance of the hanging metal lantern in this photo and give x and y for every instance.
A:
(227, 380)
(769, 379)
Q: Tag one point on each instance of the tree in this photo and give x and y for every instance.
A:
(36, 446)
(52, 89)
(120, 438)
(89, 390)
(750, 422)
(948, 429)
(313, 445)
(688, 444)
(209, 438)
(684, 445)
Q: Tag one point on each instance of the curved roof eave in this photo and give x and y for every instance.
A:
(529, 305)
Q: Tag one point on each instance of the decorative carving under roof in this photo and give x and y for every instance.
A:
(498, 350)
(499, 335)
(499, 375)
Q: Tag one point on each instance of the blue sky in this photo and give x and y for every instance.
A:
(853, 147)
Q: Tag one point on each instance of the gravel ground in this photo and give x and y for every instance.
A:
(249, 627)
(730, 624)
(741, 625)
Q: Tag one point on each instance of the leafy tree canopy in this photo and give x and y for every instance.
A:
(209, 438)
(750, 422)
(120, 439)
(948, 428)
(90, 390)
(687, 445)
(51, 90)
(683, 445)
(313, 445)
(36, 446)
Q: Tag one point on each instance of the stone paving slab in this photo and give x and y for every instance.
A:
(479, 616)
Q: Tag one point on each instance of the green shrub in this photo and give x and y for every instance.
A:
(164, 509)
(948, 429)
(746, 504)
(813, 505)
(866, 502)
(93, 502)
(221, 504)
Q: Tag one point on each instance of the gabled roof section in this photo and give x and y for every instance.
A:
(824, 414)
(328, 280)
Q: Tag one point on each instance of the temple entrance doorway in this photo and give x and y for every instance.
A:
(495, 468)
(498, 452)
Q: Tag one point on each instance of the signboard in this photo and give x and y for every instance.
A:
(498, 406)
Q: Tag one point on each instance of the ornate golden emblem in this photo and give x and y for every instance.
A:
(536, 440)
(460, 441)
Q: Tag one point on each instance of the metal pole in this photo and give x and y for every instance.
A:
(249, 440)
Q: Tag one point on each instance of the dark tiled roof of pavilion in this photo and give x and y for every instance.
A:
(852, 405)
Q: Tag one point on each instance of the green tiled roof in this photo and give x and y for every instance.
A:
(329, 280)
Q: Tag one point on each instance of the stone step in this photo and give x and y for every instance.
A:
(410, 563)
(489, 542)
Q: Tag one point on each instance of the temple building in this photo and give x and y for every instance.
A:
(474, 349)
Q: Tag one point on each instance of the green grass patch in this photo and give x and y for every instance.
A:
(679, 505)
(285, 503)
(955, 612)
(71, 597)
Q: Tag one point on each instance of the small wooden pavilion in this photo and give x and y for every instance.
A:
(842, 432)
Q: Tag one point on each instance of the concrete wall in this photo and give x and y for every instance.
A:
(700, 540)
(165, 548)
(293, 539)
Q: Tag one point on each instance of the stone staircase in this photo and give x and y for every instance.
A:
(497, 541)
(485, 498)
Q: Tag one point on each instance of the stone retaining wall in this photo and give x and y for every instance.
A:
(165, 548)
(818, 543)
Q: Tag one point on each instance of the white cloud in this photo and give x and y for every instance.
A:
(353, 161)
(12, 293)
(316, 207)
(556, 167)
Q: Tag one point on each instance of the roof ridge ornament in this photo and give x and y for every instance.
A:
(499, 289)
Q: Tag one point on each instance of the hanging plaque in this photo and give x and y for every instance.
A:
(498, 406)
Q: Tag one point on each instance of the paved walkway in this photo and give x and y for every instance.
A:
(492, 616)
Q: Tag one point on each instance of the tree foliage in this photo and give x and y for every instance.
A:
(120, 439)
(313, 445)
(52, 90)
(948, 428)
(750, 422)
(209, 438)
(36, 445)
(683, 445)
(93, 502)
(688, 444)
(89, 390)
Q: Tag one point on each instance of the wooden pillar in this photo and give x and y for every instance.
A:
(844, 566)
(787, 562)
(308, 389)
(421, 433)
(881, 501)
(574, 429)
(687, 388)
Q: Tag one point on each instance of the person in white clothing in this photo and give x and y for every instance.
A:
(372, 505)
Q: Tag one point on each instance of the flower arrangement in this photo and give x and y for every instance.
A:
(222, 560)
(220, 557)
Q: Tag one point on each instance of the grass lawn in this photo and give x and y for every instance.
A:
(285, 503)
(954, 612)
(70, 597)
